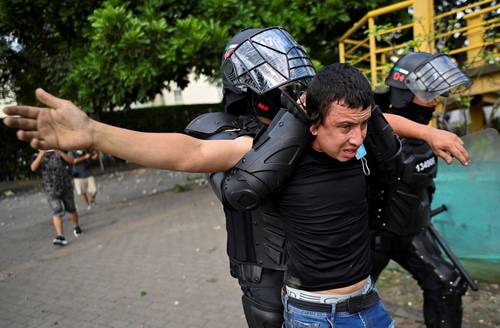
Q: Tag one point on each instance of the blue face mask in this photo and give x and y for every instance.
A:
(361, 152)
(360, 155)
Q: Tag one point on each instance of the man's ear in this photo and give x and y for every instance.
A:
(314, 128)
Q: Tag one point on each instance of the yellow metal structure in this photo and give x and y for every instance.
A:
(368, 46)
(423, 24)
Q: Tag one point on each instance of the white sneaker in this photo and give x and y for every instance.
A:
(60, 240)
(77, 231)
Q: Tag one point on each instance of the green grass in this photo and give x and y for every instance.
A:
(180, 188)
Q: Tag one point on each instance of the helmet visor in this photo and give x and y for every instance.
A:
(439, 76)
(268, 60)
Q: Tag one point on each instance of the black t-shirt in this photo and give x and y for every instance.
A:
(325, 211)
(82, 169)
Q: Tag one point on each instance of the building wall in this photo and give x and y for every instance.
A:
(6, 98)
(199, 91)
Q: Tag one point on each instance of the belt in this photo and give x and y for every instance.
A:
(351, 305)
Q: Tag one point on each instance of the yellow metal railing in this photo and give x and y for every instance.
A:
(366, 45)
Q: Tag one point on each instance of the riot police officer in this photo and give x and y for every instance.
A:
(400, 196)
(258, 66)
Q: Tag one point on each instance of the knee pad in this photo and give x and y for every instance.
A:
(444, 281)
(260, 315)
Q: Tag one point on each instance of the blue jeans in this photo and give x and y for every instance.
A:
(373, 317)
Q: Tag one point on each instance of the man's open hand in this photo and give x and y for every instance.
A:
(448, 145)
(60, 126)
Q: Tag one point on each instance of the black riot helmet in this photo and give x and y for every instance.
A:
(257, 64)
(426, 76)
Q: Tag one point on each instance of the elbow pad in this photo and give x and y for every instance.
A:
(271, 161)
(381, 142)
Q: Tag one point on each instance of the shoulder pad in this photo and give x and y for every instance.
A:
(251, 126)
(209, 124)
(268, 164)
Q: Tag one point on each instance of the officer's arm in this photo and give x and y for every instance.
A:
(444, 144)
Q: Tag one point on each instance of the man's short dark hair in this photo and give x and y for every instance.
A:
(338, 82)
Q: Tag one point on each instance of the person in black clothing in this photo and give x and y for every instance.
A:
(401, 195)
(325, 210)
(255, 238)
(83, 179)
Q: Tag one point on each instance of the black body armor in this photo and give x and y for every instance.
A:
(270, 162)
(400, 199)
(256, 237)
(255, 232)
(399, 210)
(400, 193)
(244, 190)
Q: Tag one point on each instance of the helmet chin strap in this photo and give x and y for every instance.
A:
(291, 105)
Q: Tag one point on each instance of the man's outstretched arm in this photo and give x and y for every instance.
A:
(444, 144)
(64, 126)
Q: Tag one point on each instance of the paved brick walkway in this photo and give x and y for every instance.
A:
(154, 261)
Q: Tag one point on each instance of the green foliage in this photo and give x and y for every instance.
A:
(15, 156)
(463, 101)
(108, 54)
(38, 43)
(134, 51)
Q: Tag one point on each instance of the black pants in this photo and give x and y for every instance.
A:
(261, 295)
(422, 258)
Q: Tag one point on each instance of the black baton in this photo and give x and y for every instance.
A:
(447, 250)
